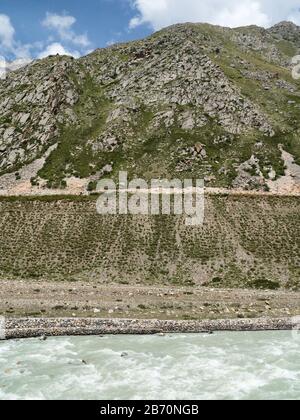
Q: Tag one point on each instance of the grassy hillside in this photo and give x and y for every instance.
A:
(249, 242)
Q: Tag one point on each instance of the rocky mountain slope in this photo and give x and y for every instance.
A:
(192, 100)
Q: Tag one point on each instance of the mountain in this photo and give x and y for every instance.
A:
(192, 100)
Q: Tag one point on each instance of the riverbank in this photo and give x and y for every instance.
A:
(48, 327)
(80, 299)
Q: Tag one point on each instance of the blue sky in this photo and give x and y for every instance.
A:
(36, 28)
(101, 22)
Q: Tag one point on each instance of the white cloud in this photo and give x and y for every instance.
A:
(15, 50)
(57, 48)
(18, 63)
(64, 42)
(111, 42)
(58, 22)
(295, 17)
(62, 24)
(7, 32)
(233, 13)
(6, 66)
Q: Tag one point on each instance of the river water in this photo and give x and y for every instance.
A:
(258, 365)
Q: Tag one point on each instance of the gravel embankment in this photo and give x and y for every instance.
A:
(33, 327)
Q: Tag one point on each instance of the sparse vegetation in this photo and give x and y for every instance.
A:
(245, 242)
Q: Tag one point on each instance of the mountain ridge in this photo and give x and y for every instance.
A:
(191, 100)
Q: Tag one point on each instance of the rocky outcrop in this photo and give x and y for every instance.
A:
(33, 101)
(288, 31)
(146, 104)
(185, 76)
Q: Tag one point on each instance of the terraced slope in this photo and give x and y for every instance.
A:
(248, 242)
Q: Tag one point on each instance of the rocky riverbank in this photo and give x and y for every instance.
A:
(33, 327)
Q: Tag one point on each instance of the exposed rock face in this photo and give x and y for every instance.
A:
(287, 31)
(249, 175)
(258, 42)
(183, 76)
(33, 101)
(143, 107)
